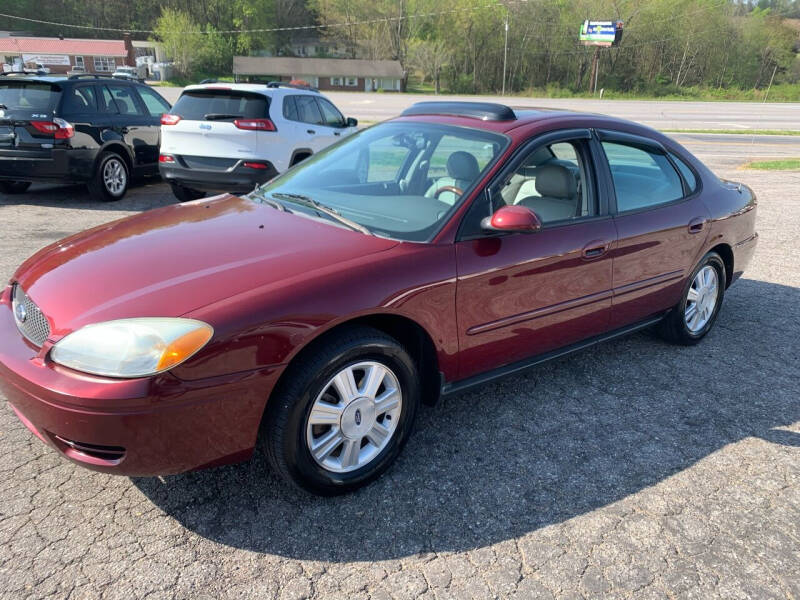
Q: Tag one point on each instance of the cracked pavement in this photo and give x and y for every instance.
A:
(631, 469)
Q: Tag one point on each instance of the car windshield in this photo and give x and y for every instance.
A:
(400, 180)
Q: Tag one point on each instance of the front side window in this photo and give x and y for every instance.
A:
(307, 110)
(125, 100)
(154, 103)
(643, 177)
(332, 116)
(395, 179)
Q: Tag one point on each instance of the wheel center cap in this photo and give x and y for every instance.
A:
(358, 418)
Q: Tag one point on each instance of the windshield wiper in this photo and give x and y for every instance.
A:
(323, 209)
(220, 116)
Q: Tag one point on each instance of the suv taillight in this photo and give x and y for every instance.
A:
(59, 128)
(255, 124)
(168, 119)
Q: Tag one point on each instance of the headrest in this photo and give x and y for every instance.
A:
(462, 165)
(556, 181)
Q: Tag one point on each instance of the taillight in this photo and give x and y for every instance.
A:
(255, 124)
(58, 128)
(168, 119)
(255, 165)
(166, 158)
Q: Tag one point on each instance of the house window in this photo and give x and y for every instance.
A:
(79, 62)
(351, 81)
(104, 63)
(337, 81)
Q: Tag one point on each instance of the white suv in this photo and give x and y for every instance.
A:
(232, 137)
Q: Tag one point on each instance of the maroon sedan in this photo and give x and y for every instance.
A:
(433, 252)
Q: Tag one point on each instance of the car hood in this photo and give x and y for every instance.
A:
(172, 260)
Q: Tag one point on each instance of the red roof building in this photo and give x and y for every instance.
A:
(61, 56)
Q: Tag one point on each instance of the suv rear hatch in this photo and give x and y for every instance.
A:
(28, 127)
(214, 128)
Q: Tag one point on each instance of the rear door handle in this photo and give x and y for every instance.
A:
(594, 249)
(337, 133)
(311, 131)
(696, 225)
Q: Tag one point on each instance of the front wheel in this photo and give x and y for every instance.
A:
(14, 187)
(693, 318)
(344, 413)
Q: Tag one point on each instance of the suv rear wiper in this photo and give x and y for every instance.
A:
(321, 208)
(220, 116)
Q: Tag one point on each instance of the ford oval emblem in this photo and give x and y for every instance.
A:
(21, 313)
(357, 418)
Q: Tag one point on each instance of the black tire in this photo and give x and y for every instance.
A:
(184, 194)
(99, 187)
(289, 408)
(14, 187)
(674, 327)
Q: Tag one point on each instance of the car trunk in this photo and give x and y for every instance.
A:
(23, 103)
(207, 126)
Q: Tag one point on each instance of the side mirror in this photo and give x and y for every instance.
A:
(351, 122)
(514, 218)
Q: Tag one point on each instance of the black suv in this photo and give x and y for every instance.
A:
(77, 129)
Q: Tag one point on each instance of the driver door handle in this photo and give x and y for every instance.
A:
(595, 249)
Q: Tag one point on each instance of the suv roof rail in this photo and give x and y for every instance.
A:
(25, 72)
(87, 75)
(485, 111)
(280, 84)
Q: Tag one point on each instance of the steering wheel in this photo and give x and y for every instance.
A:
(448, 188)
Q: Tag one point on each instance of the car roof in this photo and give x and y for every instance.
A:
(504, 119)
(258, 88)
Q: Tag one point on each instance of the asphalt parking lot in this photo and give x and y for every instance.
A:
(632, 469)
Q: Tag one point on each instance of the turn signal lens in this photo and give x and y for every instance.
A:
(182, 348)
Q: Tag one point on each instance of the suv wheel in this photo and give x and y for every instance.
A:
(184, 194)
(14, 187)
(344, 413)
(110, 180)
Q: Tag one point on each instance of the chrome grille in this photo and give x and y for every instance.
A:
(30, 320)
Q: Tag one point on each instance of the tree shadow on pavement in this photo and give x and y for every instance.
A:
(561, 440)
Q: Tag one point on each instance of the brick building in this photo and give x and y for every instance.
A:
(63, 55)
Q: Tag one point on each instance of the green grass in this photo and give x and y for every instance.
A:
(786, 164)
(737, 131)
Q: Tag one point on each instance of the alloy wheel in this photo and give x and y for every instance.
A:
(354, 417)
(114, 176)
(701, 299)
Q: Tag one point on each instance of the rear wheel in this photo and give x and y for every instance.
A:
(14, 187)
(184, 194)
(110, 180)
(697, 311)
(344, 412)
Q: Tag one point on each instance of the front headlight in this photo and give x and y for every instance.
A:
(131, 347)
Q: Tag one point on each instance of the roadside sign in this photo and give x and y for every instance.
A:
(47, 59)
(601, 33)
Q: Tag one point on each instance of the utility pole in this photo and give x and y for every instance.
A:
(505, 55)
(593, 76)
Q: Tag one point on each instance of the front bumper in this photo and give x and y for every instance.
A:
(238, 179)
(149, 426)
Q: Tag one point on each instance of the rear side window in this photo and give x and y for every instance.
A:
(688, 174)
(642, 178)
(80, 99)
(221, 105)
(26, 98)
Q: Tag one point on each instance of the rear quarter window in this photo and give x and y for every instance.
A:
(197, 105)
(28, 98)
